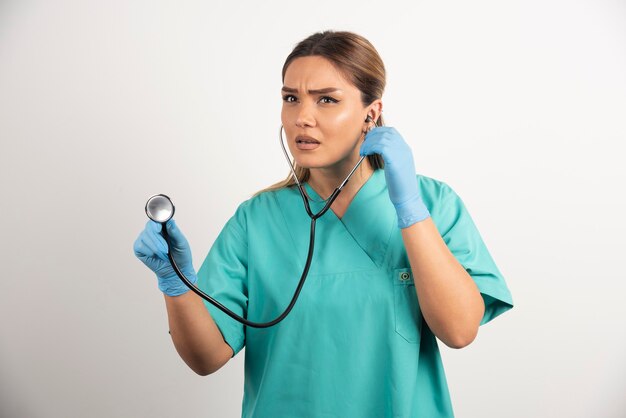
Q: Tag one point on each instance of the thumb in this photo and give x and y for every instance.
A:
(176, 236)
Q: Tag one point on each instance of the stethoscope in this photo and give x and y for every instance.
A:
(160, 209)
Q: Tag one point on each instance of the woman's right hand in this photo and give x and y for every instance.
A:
(150, 247)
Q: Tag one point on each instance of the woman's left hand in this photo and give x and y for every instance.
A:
(399, 173)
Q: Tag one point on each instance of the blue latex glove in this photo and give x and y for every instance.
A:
(150, 247)
(399, 173)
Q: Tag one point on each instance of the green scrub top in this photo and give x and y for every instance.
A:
(355, 344)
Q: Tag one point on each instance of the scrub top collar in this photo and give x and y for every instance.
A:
(373, 185)
(370, 217)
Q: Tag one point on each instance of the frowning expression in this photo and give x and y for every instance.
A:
(322, 113)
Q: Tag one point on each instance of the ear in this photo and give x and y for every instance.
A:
(374, 110)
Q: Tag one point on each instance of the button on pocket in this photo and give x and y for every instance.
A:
(407, 311)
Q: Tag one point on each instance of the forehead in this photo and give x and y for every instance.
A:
(315, 72)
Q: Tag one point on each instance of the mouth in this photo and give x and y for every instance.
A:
(304, 139)
(306, 143)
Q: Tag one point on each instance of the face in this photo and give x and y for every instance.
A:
(322, 114)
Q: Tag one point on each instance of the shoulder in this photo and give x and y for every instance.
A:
(444, 204)
(434, 190)
(446, 207)
(267, 199)
(264, 204)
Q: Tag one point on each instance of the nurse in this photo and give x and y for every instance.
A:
(399, 265)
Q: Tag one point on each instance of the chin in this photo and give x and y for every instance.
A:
(313, 162)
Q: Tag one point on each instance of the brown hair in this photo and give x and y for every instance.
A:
(358, 61)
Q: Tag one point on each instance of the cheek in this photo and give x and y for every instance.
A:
(344, 114)
(344, 123)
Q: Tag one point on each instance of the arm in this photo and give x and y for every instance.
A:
(197, 339)
(448, 297)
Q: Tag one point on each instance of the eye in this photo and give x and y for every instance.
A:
(328, 99)
(287, 98)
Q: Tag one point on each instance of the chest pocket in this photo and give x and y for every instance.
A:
(408, 316)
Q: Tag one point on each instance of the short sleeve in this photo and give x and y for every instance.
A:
(223, 275)
(465, 242)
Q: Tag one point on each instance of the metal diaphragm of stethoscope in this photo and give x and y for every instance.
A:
(160, 209)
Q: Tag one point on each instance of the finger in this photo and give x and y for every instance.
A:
(139, 248)
(370, 140)
(373, 146)
(156, 244)
(153, 226)
(145, 253)
(153, 229)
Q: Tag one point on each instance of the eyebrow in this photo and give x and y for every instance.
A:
(319, 91)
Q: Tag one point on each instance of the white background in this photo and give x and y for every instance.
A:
(520, 106)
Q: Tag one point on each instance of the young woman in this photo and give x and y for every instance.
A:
(398, 261)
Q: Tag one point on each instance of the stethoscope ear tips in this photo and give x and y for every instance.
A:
(160, 208)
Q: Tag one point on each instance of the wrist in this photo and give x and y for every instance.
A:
(411, 211)
(174, 285)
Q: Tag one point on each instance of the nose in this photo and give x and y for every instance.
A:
(305, 116)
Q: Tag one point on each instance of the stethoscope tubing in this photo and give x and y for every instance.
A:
(307, 265)
(227, 311)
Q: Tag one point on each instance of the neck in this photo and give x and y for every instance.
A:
(325, 180)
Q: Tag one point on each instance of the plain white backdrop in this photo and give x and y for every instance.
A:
(520, 106)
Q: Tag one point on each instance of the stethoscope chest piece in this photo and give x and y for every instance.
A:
(160, 208)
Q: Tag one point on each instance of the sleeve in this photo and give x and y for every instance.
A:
(224, 276)
(465, 242)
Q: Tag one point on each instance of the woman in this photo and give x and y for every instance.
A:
(398, 261)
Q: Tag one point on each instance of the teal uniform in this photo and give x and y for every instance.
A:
(355, 343)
